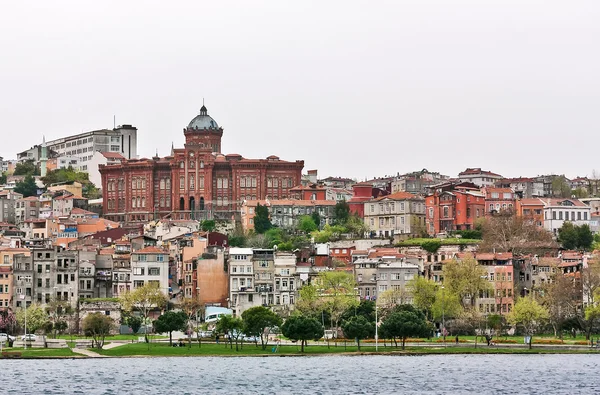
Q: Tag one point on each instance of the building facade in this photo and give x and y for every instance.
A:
(196, 181)
(398, 213)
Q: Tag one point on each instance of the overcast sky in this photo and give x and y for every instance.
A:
(357, 89)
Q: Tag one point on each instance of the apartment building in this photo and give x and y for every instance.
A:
(398, 213)
(243, 294)
(150, 265)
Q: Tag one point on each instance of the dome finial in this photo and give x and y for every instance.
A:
(203, 110)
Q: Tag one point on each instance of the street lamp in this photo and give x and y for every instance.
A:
(376, 331)
(25, 307)
(443, 318)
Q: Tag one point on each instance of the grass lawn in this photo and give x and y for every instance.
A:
(211, 349)
(42, 352)
(113, 337)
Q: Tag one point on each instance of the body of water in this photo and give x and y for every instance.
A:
(428, 374)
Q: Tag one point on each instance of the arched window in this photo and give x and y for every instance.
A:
(202, 203)
(143, 202)
(192, 163)
(162, 202)
(181, 165)
(139, 202)
(202, 164)
(162, 183)
(133, 202)
(168, 182)
(181, 204)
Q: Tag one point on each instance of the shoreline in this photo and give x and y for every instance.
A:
(399, 353)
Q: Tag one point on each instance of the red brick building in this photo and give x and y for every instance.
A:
(194, 182)
(454, 207)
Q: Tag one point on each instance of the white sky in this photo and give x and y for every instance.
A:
(355, 88)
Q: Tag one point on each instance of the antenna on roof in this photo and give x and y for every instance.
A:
(114, 121)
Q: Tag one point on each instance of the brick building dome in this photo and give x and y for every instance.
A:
(203, 121)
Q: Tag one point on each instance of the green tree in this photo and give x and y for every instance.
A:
(560, 187)
(303, 328)
(431, 246)
(90, 191)
(424, 294)
(57, 310)
(341, 212)
(208, 225)
(169, 322)
(466, 279)
(3, 179)
(262, 222)
(338, 293)
(306, 224)
(135, 323)
(510, 233)
(316, 218)
(406, 321)
(231, 327)
(36, 318)
(27, 187)
(356, 226)
(144, 300)
(309, 302)
(366, 308)
(358, 328)
(97, 326)
(26, 168)
(258, 321)
(447, 304)
(575, 236)
(529, 314)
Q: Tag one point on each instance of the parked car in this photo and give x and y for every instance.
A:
(205, 334)
(30, 337)
(251, 339)
(6, 337)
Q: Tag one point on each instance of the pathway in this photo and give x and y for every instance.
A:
(87, 353)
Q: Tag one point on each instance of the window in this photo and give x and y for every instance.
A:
(138, 271)
(182, 182)
(154, 271)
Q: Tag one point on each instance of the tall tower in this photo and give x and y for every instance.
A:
(43, 158)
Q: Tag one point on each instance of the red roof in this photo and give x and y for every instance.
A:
(112, 155)
(151, 250)
(532, 202)
(477, 171)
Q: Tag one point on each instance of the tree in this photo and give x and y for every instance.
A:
(338, 293)
(231, 327)
(423, 293)
(98, 326)
(366, 308)
(57, 310)
(465, 278)
(562, 299)
(208, 225)
(36, 318)
(356, 226)
(90, 191)
(144, 300)
(306, 224)
(358, 328)
(590, 284)
(560, 187)
(529, 314)
(262, 222)
(341, 212)
(575, 236)
(3, 179)
(7, 321)
(135, 323)
(258, 321)
(309, 301)
(448, 304)
(404, 322)
(509, 233)
(27, 187)
(192, 308)
(393, 297)
(431, 246)
(316, 218)
(169, 322)
(303, 328)
(26, 168)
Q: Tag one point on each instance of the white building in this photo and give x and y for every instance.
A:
(482, 178)
(398, 213)
(285, 281)
(242, 294)
(122, 140)
(100, 158)
(559, 211)
(150, 265)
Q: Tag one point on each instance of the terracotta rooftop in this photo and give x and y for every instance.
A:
(291, 202)
(477, 171)
(399, 196)
(112, 155)
(151, 250)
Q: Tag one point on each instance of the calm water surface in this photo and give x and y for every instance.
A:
(436, 374)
